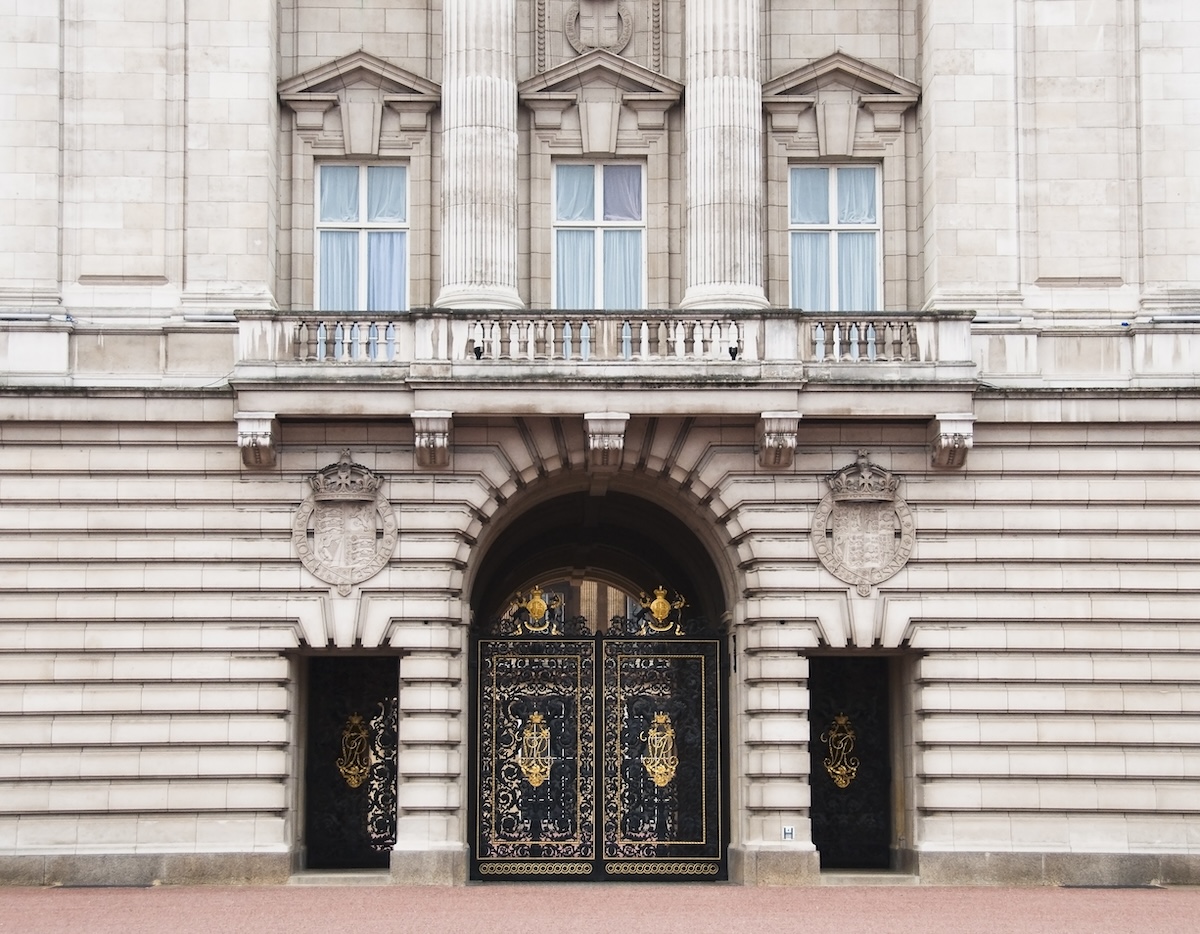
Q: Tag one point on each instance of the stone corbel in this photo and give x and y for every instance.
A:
(310, 109)
(888, 110)
(412, 109)
(548, 108)
(785, 110)
(432, 438)
(605, 439)
(777, 435)
(258, 438)
(950, 438)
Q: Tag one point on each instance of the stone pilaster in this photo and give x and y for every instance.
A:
(479, 160)
(430, 847)
(723, 126)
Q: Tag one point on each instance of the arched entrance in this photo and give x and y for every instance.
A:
(599, 691)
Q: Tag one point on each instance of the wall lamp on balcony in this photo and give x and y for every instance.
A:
(733, 351)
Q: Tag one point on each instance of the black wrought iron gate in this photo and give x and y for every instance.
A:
(599, 756)
(851, 763)
(350, 762)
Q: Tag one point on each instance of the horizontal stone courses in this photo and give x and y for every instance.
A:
(128, 728)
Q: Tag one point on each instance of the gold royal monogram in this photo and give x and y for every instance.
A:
(661, 758)
(841, 764)
(534, 757)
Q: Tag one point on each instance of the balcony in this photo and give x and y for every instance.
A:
(486, 360)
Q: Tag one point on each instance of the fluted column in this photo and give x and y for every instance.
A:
(723, 124)
(479, 155)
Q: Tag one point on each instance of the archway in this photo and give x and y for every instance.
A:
(599, 692)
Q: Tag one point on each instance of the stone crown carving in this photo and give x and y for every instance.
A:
(863, 482)
(345, 481)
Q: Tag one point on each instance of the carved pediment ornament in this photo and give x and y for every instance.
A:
(345, 530)
(603, 31)
(863, 532)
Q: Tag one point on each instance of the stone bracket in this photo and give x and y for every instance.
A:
(432, 437)
(258, 438)
(777, 435)
(950, 437)
(605, 440)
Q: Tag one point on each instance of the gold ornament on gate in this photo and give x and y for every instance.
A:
(660, 611)
(841, 764)
(534, 757)
(540, 617)
(661, 757)
(355, 761)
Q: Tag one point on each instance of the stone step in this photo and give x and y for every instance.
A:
(868, 877)
(341, 877)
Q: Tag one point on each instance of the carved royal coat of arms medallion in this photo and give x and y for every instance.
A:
(345, 530)
(863, 532)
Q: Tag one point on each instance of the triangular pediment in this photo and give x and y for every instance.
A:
(840, 71)
(358, 70)
(600, 68)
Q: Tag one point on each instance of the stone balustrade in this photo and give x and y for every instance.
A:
(606, 337)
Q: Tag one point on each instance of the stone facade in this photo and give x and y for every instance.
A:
(1022, 402)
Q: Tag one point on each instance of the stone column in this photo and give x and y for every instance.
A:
(723, 125)
(479, 155)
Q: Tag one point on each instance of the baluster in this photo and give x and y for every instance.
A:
(626, 341)
(732, 343)
(852, 340)
(663, 346)
(300, 341)
(373, 341)
(585, 341)
(389, 336)
(566, 340)
(645, 339)
(530, 340)
(680, 339)
(698, 340)
(339, 340)
(714, 341)
(870, 342)
(514, 340)
(494, 340)
(913, 346)
(819, 342)
(836, 347)
(322, 338)
(476, 348)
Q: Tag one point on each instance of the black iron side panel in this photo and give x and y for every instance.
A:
(661, 755)
(536, 791)
(851, 825)
(347, 827)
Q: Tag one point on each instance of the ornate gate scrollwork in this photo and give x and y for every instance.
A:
(598, 754)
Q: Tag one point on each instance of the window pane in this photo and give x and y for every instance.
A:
(575, 269)
(622, 269)
(623, 193)
(339, 270)
(810, 271)
(575, 193)
(809, 196)
(856, 272)
(387, 198)
(387, 271)
(856, 196)
(339, 193)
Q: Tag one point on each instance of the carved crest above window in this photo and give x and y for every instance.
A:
(863, 532)
(837, 99)
(587, 103)
(347, 105)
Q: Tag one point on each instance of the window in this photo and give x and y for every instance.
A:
(599, 236)
(362, 238)
(834, 229)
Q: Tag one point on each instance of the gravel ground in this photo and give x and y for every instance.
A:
(598, 909)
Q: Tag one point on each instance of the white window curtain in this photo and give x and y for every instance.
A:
(387, 270)
(339, 270)
(856, 271)
(575, 269)
(856, 195)
(810, 271)
(809, 196)
(622, 269)
(339, 193)
(622, 192)
(575, 193)
(387, 194)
